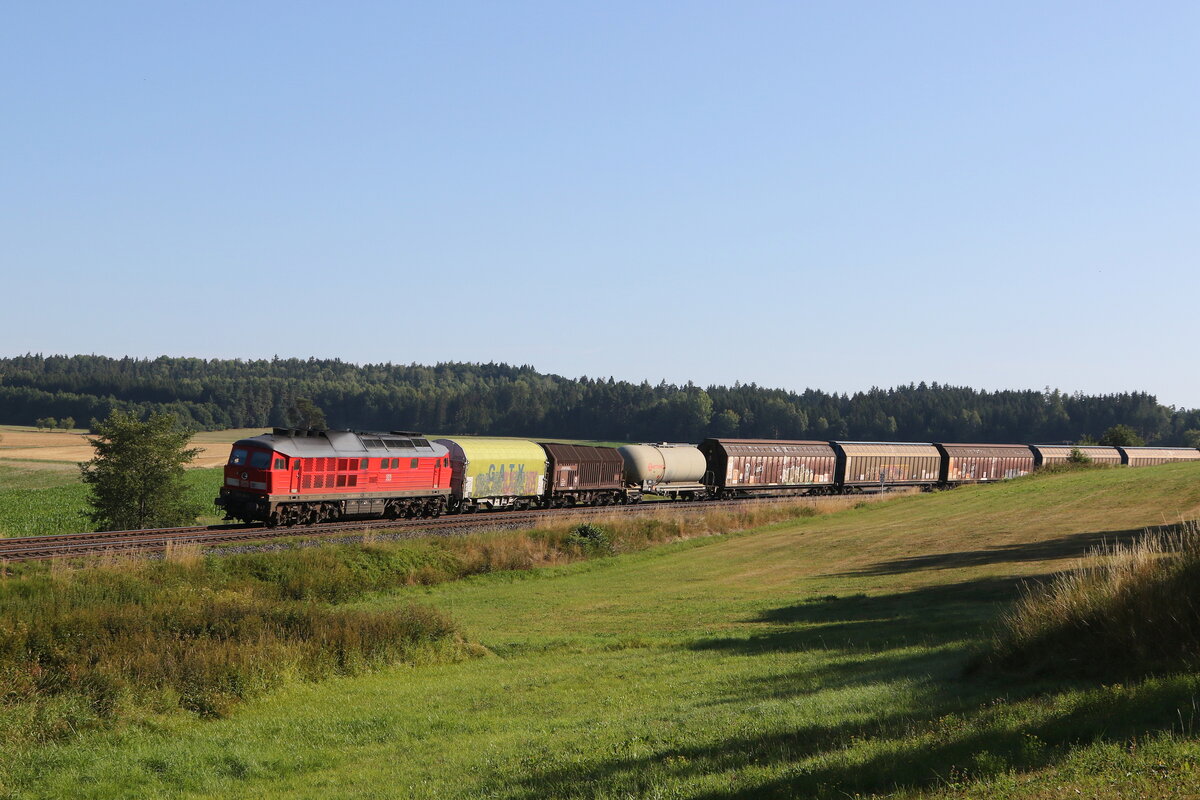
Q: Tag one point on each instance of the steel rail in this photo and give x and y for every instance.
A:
(34, 548)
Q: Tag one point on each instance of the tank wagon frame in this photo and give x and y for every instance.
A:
(670, 470)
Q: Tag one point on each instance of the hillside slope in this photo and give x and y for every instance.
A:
(814, 659)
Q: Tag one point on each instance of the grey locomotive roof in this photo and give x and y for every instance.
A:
(324, 444)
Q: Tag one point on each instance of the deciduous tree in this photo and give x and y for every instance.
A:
(305, 414)
(136, 479)
(1122, 436)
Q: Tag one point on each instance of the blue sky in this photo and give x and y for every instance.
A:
(834, 195)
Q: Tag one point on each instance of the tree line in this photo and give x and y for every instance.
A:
(506, 400)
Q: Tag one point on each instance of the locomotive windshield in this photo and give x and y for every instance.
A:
(260, 460)
(237, 457)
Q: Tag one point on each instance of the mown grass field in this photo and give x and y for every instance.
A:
(815, 658)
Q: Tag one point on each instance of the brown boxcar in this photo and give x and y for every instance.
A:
(582, 474)
(866, 464)
(979, 463)
(1059, 453)
(751, 466)
(1149, 456)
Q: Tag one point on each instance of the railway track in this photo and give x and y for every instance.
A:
(66, 545)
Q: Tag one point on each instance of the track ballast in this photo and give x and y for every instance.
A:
(65, 545)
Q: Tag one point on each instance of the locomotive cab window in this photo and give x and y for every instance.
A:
(281, 464)
(260, 460)
(237, 457)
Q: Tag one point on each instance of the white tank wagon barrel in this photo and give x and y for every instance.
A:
(669, 470)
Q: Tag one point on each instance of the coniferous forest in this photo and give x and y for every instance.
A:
(505, 400)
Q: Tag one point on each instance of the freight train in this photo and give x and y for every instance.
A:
(290, 477)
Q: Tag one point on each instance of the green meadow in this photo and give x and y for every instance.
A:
(822, 656)
(35, 500)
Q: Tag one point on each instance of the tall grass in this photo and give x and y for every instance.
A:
(91, 647)
(337, 573)
(1129, 610)
(562, 541)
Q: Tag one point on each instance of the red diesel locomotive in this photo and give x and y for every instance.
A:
(291, 477)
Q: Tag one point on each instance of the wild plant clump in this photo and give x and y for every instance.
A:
(1130, 610)
(590, 538)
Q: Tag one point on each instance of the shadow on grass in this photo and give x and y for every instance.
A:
(891, 753)
(1071, 546)
(934, 725)
(927, 617)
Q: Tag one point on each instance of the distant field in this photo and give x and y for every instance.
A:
(48, 447)
(40, 492)
(821, 658)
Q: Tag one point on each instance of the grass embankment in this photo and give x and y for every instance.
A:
(98, 644)
(817, 657)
